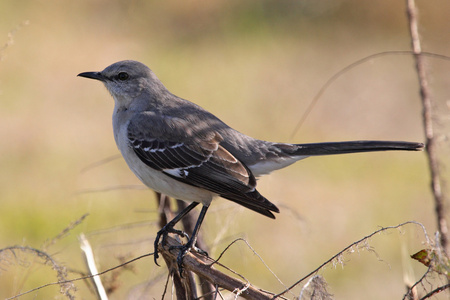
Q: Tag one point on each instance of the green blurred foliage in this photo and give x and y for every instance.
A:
(255, 64)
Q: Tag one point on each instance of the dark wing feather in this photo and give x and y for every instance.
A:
(201, 161)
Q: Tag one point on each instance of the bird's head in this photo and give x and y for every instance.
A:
(126, 80)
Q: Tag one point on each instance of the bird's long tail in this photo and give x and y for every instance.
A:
(353, 147)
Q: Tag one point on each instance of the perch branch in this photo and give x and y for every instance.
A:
(202, 267)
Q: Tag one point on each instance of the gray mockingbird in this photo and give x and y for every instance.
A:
(177, 148)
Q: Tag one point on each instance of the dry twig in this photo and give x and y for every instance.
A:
(431, 143)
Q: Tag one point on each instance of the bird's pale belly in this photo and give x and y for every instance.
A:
(158, 181)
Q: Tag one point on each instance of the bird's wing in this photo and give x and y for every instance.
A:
(193, 155)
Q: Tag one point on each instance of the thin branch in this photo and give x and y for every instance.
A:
(165, 286)
(65, 231)
(436, 291)
(112, 188)
(410, 290)
(348, 68)
(431, 143)
(340, 253)
(100, 163)
(255, 253)
(69, 281)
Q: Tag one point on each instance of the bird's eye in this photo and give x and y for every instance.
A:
(123, 76)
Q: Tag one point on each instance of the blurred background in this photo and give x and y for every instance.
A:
(255, 64)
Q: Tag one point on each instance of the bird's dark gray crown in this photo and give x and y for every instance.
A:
(134, 69)
(129, 77)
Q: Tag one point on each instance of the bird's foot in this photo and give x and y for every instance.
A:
(185, 249)
(168, 228)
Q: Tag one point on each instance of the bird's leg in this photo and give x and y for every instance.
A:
(191, 242)
(168, 228)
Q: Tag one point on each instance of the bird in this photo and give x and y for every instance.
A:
(179, 149)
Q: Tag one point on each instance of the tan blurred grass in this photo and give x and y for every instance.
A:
(254, 64)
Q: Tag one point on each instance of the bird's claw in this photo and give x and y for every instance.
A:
(183, 250)
(168, 228)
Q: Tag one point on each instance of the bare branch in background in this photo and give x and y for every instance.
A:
(431, 141)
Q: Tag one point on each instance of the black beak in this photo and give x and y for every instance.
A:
(92, 75)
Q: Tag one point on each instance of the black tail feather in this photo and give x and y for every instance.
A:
(353, 147)
(254, 206)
